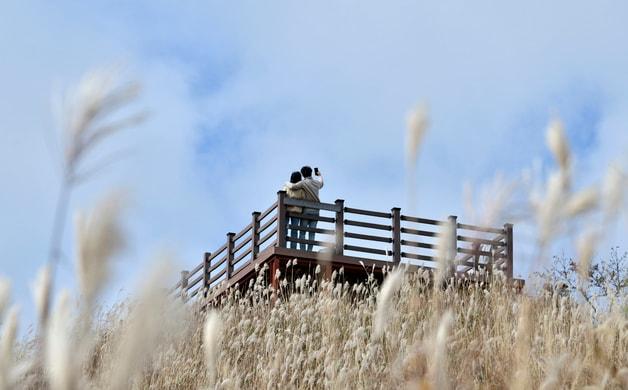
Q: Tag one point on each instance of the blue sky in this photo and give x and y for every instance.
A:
(242, 93)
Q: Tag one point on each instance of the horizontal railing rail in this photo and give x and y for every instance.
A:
(468, 249)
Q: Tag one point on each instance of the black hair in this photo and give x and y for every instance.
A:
(306, 171)
(295, 177)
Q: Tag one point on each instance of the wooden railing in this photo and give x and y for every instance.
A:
(357, 234)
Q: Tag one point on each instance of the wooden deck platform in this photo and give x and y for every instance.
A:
(357, 240)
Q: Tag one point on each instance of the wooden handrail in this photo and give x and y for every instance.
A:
(368, 237)
(242, 232)
(422, 220)
(367, 212)
(267, 212)
(481, 241)
(265, 238)
(312, 217)
(419, 232)
(480, 228)
(368, 225)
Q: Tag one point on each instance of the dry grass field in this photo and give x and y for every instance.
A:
(327, 334)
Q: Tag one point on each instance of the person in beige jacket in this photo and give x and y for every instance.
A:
(295, 177)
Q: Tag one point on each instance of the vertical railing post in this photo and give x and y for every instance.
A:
(185, 276)
(453, 245)
(255, 234)
(230, 254)
(509, 251)
(340, 226)
(206, 273)
(281, 219)
(396, 234)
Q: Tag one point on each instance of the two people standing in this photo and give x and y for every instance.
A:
(303, 186)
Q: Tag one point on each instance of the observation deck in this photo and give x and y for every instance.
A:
(349, 238)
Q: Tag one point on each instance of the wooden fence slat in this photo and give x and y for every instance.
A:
(416, 232)
(369, 213)
(218, 264)
(368, 237)
(242, 244)
(309, 229)
(417, 244)
(425, 221)
(480, 228)
(368, 225)
(312, 242)
(416, 256)
(312, 217)
(480, 241)
(366, 250)
(268, 211)
(265, 238)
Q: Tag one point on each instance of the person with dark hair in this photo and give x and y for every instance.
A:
(310, 189)
(295, 177)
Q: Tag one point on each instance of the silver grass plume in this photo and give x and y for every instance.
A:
(613, 190)
(40, 289)
(60, 363)
(417, 122)
(521, 379)
(581, 202)
(586, 247)
(391, 285)
(5, 294)
(99, 238)
(211, 339)
(439, 368)
(558, 144)
(87, 112)
(152, 315)
(7, 341)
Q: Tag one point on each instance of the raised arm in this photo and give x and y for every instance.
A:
(320, 180)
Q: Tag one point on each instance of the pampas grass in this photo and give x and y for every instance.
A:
(211, 338)
(391, 285)
(99, 239)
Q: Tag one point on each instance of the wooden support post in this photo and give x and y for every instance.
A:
(274, 267)
(185, 276)
(453, 245)
(206, 273)
(340, 226)
(327, 271)
(476, 257)
(230, 255)
(255, 234)
(491, 260)
(281, 219)
(396, 234)
(509, 251)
